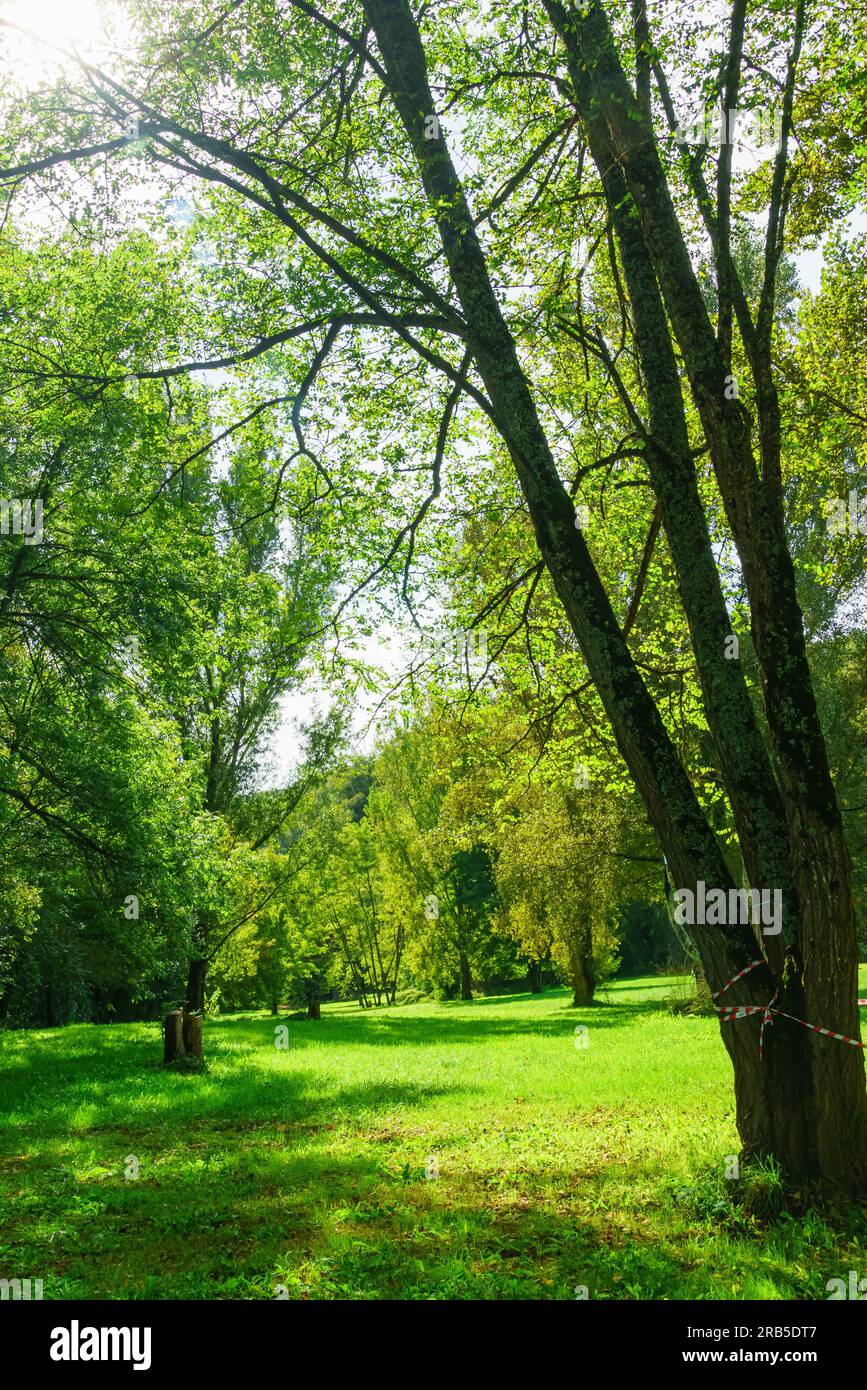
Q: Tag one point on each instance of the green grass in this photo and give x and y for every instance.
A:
(559, 1166)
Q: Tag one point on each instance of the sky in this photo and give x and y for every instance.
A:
(74, 24)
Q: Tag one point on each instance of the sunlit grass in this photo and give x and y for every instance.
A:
(304, 1169)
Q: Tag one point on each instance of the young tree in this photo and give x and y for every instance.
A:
(556, 886)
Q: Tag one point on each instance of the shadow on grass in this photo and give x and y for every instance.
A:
(364, 1226)
(388, 1029)
(113, 1080)
(642, 983)
(246, 1181)
(284, 1098)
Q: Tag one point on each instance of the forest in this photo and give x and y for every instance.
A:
(434, 648)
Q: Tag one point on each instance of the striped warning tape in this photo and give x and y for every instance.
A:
(715, 994)
(728, 1013)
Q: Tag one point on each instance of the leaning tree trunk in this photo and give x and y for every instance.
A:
(819, 976)
(776, 1104)
(778, 1107)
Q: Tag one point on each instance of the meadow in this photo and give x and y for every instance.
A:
(430, 1151)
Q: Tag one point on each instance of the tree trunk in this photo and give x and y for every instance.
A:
(466, 977)
(313, 1008)
(582, 978)
(799, 1102)
(194, 1009)
(534, 976)
(820, 941)
(173, 1037)
(751, 786)
(196, 986)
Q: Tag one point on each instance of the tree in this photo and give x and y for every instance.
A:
(387, 242)
(557, 891)
(148, 634)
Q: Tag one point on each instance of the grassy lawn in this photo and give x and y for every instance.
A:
(559, 1166)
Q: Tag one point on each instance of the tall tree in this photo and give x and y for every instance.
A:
(391, 241)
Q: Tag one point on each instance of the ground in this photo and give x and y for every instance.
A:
(303, 1171)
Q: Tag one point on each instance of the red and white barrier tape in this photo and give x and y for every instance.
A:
(729, 1013)
(715, 994)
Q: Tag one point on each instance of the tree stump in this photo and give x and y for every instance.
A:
(193, 1034)
(173, 1048)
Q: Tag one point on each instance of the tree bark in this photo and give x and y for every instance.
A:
(313, 1008)
(173, 1037)
(192, 1034)
(196, 986)
(751, 785)
(819, 976)
(534, 977)
(466, 976)
(582, 977)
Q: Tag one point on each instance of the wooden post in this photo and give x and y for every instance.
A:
(193, 1034)
(174, 1036)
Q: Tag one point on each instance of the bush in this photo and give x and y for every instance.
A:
(685, 998)
(410, 996)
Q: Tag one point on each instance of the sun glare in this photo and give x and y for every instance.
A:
(85, 27)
